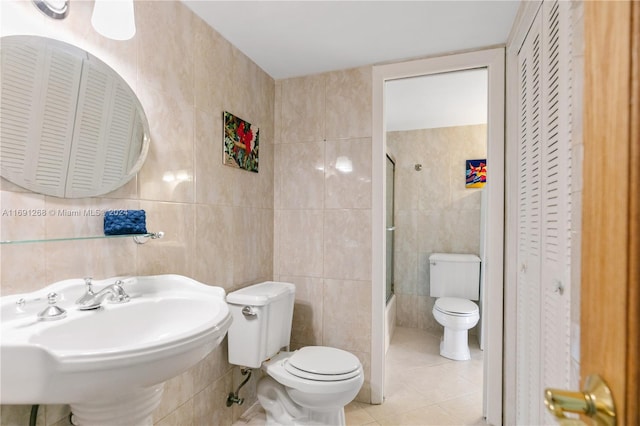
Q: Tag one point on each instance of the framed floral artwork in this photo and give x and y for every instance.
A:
(241, 143)
(476, 173)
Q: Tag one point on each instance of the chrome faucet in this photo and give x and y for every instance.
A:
(114, 293)
(89, 294)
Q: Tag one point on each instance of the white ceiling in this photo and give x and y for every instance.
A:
(295, 38)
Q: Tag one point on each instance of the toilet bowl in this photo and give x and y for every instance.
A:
(457, 316)
(309, 386)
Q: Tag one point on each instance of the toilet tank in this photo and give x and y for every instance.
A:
(454, 275)
(262, 315)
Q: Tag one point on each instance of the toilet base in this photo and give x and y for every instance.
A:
(455, 345)
(282, 410)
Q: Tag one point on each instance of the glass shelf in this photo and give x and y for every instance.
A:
(138, 238)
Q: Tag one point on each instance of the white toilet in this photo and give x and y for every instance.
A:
(455, 282)
(309, 386)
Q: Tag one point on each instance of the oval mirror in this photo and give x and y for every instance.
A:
(70, 126)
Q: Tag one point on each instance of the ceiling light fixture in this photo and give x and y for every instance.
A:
(56, 9)
(114, 19)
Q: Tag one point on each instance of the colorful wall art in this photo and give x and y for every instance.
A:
(476, 173)
(241, 143)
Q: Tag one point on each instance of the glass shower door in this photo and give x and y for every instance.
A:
(391, 168)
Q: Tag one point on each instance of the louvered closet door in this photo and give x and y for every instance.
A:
(544, 211)
(556, 199)
(529, 213)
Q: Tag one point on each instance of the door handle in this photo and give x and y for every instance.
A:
(391, 228)
(594, 401)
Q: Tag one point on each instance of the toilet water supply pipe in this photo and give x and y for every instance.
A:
(34, 415)
(233, 396)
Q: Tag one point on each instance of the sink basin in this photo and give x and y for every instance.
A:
(113, 358)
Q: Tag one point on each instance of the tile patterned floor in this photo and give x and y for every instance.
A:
(422, 388)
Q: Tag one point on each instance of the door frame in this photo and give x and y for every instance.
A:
(610, 291)
(493, 60)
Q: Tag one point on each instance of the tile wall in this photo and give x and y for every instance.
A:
(218, 223)
(322, 189)
(434, 212)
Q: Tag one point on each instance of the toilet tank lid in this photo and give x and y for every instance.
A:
(261, 294)
(454, 257)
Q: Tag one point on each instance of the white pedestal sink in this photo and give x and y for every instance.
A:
(108, 364)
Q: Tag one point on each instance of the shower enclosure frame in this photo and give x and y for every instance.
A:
(390, 227)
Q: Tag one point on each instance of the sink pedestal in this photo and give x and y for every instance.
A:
(132, 409)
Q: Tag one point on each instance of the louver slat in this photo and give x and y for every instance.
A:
(37, 129)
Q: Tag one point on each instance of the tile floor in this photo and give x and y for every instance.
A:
(422, 388)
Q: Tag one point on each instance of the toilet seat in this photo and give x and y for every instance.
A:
(323, 364)
(276, 368)
(456, 306)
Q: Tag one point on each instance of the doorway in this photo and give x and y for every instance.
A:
(493, 61)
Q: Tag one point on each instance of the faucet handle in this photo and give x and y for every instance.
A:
(52, 298)
(119, 295)
(52, 312)
(88, 284)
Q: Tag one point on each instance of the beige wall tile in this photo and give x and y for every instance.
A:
(16, 415)
(172, 71)
(347, 244)
(209, 404)
(364, 395)
(405, 272)
(301, 242)
(214, 366)
(406, 235)
(174, 253)
(214, 245)
(168, 171)
(23, 268)
(69, 259)
(214, 181)
(303, 109)
(176, 392)
(307, 312)
(347, 302)
(348, 174)
(348, 100)
(277, 113)
(406, 311)
(300, 171)
(181, 416)
(22, 216)
(252, 244)
(213, 77)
